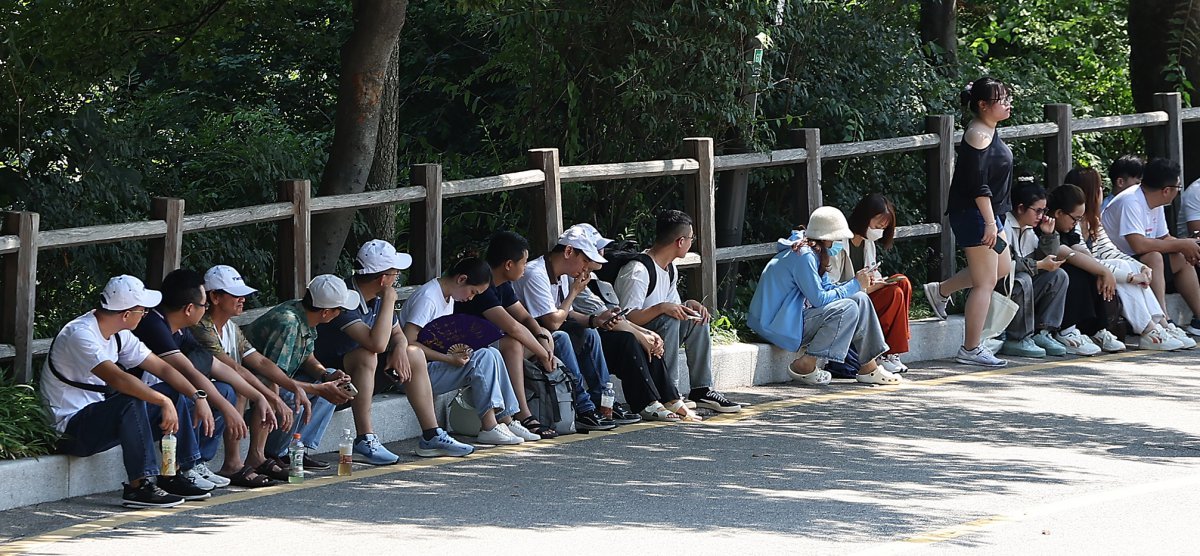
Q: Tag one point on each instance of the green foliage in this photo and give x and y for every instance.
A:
(25, 429)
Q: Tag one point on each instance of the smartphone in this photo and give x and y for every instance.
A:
(999, 246)
(692, 315)
(619, 314)
(349, 388)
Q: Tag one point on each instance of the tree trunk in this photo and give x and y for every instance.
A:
(939, 25)
(1150, 46)
(381, 221)
(365, 57)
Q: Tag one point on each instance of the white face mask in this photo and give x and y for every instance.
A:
(874, 234)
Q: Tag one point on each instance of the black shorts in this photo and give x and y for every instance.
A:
(967, 226)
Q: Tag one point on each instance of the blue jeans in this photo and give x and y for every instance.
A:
(310, 434)
(133, 425)
(487, 376)
(565, 352)
(209, 444)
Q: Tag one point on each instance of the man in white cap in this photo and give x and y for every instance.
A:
(545, 292)
(97, 404)
(287, 335)
(369, 339)
(223, 338)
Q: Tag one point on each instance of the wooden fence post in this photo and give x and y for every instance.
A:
(165, 254)
(426, 233)
(20, 288)
(547, 222)
(939, 169)
(806, 186)
(1170, 146)
(1058, 147)
(700, 203)
(295, 239)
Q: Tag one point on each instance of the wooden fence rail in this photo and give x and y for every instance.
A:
(21, 239)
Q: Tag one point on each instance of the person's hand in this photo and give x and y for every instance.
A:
(235, 424)
(283, 415)
(608, 319)
(202, 417)
(1046, 224)
(798, 245)
(675, 311)
(865, 277)
(651, 342)
(332, 392)
(302, 402)
(1141, 279)
(398, 361)
(580, 282)
(1106, 284)
(1050, 264)
(1190, 250)
(459, 355)
(389, 296)
(989, 233)
(1149, 272)
(169, 422)
(265, 413)
(333, 374)
(700, 309)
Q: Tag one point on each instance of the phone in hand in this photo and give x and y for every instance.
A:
(1000, 245)
(349, 388)
(621, 313)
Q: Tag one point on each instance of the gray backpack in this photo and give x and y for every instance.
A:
(549, 396)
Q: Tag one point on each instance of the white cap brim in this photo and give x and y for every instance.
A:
(594, 255)
(353, 300)
(237, 290)
(148, 299)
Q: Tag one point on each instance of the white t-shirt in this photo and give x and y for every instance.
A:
(426, 304)
(1191, 204)
(535, 291)
(79, 348)
(1128, 213)
(633, 282)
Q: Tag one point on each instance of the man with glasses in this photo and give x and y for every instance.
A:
(663, 311)
(166, 330)
(1137, 224)
(287, 335)
(367, 340)
(96, 403)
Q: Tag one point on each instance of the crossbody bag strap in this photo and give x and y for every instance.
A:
(80, 385)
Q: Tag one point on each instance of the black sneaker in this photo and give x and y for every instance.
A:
(591, 421)
(185, 487)
(622, 416)
(148, 495)
(714, 400)
(312, 464)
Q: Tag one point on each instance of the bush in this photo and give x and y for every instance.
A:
(25, 429)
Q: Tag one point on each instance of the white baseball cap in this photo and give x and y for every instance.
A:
(600, 241)
(226, 278)
(378, 255)
(330, 292)
(125, 292)
(580, 239)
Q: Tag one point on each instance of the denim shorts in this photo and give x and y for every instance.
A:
(967, 226)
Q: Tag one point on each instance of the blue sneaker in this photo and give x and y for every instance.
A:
(443, 445)
(373, 452)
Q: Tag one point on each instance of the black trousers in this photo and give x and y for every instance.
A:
(644, 380)
(1086, 309)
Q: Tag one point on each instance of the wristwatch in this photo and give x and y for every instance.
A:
(200, 395)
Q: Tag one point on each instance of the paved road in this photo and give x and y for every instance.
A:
(1099, 455)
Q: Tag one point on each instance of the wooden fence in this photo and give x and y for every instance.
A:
(22, 240)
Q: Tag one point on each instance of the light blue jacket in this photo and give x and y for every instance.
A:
(788, 281)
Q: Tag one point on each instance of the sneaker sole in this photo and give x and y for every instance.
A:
(193, 497)
(433, 453)
(718, 407)
(136, 504)
(981, 363)
(369, 462)
(582, 427)
(628, 421)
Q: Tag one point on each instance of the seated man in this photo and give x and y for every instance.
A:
(166, 331)
(287, 336)
(1124, 172)
(1137, 225)
(368, 339)
(223, 338)
(544, 291)
(662, 310)
(87, 362)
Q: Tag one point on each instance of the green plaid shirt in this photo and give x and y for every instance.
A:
(283, 336)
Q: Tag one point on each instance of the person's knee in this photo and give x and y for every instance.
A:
(1022, 286)
(1060, 279)
(416, 357)
(843, 307)
(359, 360)
(1153, 259)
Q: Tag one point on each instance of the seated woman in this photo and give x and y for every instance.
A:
(1039, 285)
(1138, 304)
(482, 369)
(1092, 302)
(873, 222)
(797, 306)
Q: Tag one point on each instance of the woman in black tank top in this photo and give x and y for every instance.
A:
(978, 200)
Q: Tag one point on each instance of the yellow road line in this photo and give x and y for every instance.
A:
(125, 518)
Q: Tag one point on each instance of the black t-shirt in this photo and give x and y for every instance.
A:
(156, 334)
(982, 173)
(503, 295)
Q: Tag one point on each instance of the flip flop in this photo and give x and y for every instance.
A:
(272, 470)
(536, 427)
(243, 478)
(656, 412)
(685, 414)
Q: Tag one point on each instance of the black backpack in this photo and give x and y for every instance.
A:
(621, 253)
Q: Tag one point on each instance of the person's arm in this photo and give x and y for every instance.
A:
(375, 338)
(233, 418)
(167, 373)
(808, 280)
(269, 370)
(265, 400)
(1164, 244)
(129, 385)
(519, 325)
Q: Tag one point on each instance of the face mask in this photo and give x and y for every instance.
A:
(835, 249)
(874, 234)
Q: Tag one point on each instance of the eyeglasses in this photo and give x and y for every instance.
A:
(1006, 101)
(138, 311)
(1039, 211)
(204, 305)
(1076, 219)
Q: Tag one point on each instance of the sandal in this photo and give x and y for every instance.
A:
(536, 427)
(681, 409)
(247, 477)
(272, 469)
(656, 412)
(816, 377)
(878, 376)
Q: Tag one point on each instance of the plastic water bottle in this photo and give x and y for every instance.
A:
(607, 398)
(168, 455)
(345, 456)
(296, 456)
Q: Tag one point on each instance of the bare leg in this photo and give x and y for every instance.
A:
(982, 264)
(1185, 282)
(233, 450)
(419, 389)
(514, 356)
(360, 365)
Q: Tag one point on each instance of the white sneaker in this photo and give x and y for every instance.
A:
(203, 471)
(499, 436)
(1179, 334)
(892, 364)
(936, 301)
(519, 430)
(1159, 340)
(200, 482)
(1076, 343)
(979, 356)
(993, 345)
(1108, 341)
